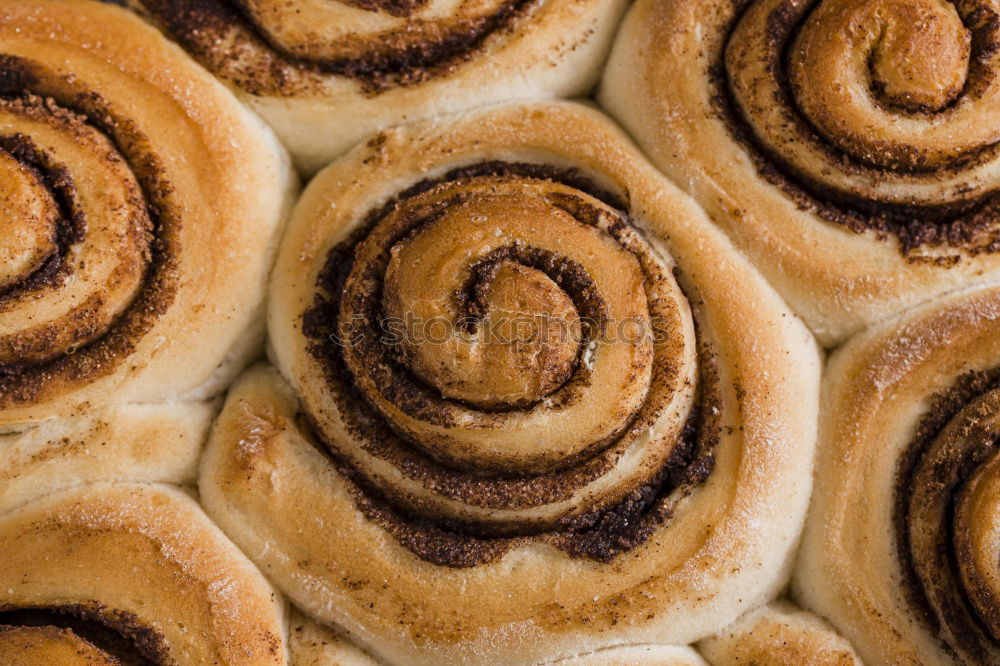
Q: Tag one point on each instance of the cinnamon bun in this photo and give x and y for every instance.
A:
(327, 73)
(134, 574)
(141, 207)
(900, 548)
(528, 403)
(849, 147)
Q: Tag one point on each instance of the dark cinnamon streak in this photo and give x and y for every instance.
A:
(26, 83)
(71, 226)
(116, 632)
(601, 534)
(961, 225)
(943, 408)
(406, 391)
(569, 275)
(392, 60)
(392, 7)
(565, 272)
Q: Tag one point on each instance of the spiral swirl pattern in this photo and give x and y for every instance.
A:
(539, 377)
(286, 47)
(929, 440)
(51, 224)
(327, 73)
(500, 383)
(848, 146)
(950, 520)
(887, 108)
(83, 280)
(71, 593)
(106, 221)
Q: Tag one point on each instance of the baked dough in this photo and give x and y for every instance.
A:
(141, 209)
(389, 509)
(848, 147)
(779, 634)
(139, 568)
(899, 551)
(327, 73)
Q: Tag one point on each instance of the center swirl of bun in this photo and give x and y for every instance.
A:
(88, 244)
(505, 352)
(524, 332)
(58, 246)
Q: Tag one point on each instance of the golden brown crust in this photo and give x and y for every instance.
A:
(124, 168)
(52, 646)
(673, 561)
(327, 73)
(312, 644)
(778, 634)
(159, 443)
(898, 552)
(848, 146)
(605, 273)
(564, 454)
(144, 563)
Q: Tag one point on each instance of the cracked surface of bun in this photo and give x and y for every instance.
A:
(849, 147)
(134, 572)
(142, 204)
(899, 552)
(327, 73)
(373, 485)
